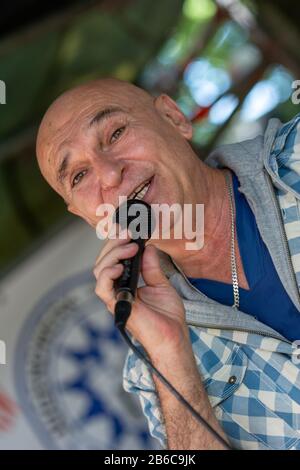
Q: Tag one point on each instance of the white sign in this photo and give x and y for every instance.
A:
(64, 357)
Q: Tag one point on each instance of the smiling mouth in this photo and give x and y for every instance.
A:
(140, 192)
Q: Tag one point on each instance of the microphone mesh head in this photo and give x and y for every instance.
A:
(138, 216)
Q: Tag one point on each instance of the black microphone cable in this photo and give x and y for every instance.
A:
(122, 314)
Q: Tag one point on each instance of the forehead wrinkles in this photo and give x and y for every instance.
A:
(65, 133)
(80, 107)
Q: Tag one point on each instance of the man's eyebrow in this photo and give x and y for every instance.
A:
(103, 114)
(62, 169)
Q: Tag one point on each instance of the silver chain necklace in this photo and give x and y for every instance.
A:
(234, 273)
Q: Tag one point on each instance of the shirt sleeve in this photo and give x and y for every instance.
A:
(138, 379)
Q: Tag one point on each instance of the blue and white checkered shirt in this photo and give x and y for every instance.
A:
(260, 408)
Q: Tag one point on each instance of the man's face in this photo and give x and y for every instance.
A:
(107, 140)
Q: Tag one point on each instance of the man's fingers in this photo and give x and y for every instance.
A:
(105, 284)
(151, 269)
(114, 256)
(121, 239)
(109, 269)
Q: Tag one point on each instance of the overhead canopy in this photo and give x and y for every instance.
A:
(46, 48)
(223, 62)
(18, 14)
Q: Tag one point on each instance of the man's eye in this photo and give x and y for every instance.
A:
(117, 134)
(78, 178)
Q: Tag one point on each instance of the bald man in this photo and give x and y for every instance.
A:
(219, 322)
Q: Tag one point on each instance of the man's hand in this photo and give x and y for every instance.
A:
(157, 319)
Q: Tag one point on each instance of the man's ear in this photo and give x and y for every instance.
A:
(169, 110)
(77, 212)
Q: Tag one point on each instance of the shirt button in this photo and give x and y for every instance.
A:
(232, 379)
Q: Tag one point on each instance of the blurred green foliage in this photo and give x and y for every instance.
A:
(187, 48)
(101, 42)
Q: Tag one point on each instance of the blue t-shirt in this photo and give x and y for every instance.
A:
(266, 298)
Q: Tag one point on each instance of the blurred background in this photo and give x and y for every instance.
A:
(230, 66)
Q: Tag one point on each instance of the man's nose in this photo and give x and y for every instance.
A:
(109, 171)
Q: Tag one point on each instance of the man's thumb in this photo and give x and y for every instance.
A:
(151, 269)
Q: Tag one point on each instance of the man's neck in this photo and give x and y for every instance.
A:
(212, 261)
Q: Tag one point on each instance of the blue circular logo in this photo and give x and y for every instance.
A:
(68, 373)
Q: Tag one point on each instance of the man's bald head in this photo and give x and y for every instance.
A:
(71, 105)
(101, 140)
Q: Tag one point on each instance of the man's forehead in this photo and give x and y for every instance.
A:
(70, 109)
(76, 104)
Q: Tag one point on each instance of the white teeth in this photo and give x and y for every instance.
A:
(141, 193)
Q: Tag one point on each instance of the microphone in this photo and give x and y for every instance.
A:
(138, 216)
